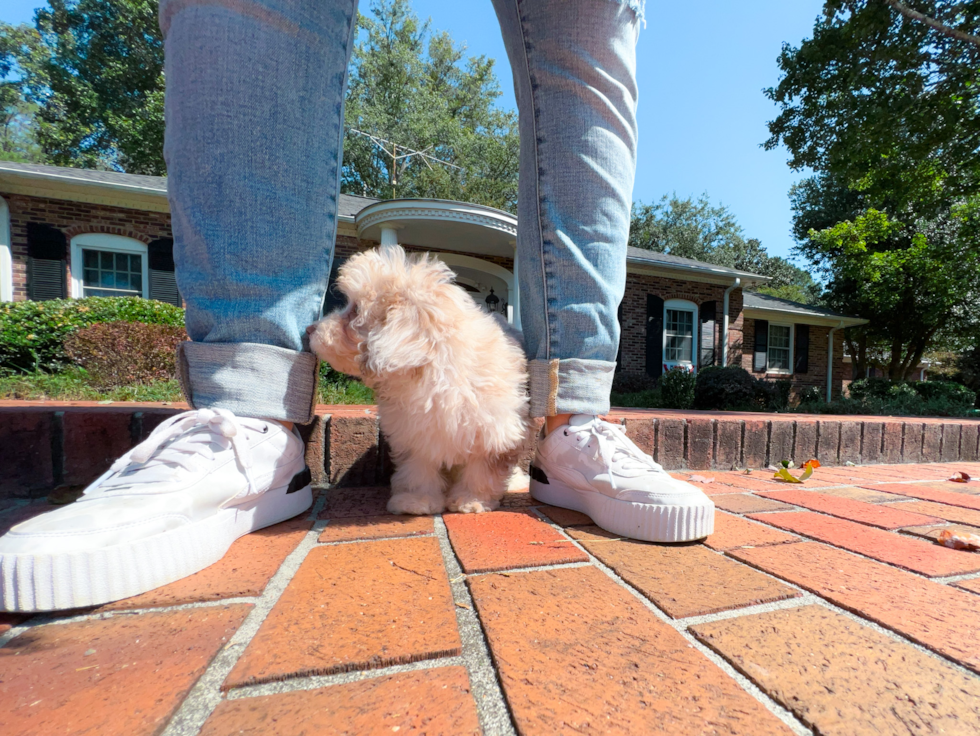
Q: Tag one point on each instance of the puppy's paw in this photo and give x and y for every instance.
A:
(412, 503)
(470, 505)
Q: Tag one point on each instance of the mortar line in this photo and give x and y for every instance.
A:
(206, 693)
(426, 535)
(492, 709)
(743, 682)
(313, 682)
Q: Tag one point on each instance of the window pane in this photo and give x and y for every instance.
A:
(91, 258)
(108, 279)
(91, 276)
(106, 261)
(136, 283)
(680, 336)
(779, 347)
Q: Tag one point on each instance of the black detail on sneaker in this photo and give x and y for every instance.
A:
(301, 480)
(537, 474)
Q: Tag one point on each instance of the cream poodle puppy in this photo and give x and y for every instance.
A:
(449, 379)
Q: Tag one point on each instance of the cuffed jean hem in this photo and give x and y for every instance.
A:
(248, 379)
(570, 386)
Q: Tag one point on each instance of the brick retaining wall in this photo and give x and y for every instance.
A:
(44, 445)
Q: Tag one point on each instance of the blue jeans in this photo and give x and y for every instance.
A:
(254, 111)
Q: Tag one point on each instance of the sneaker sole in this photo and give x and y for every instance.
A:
(643, 521)
(32, 583)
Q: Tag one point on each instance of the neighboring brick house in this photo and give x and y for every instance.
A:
(70, 233)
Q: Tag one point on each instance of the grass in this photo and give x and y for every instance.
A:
(74, 385)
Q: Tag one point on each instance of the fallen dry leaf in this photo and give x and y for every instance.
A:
(700, 479)
(970, 542)
(959, 477)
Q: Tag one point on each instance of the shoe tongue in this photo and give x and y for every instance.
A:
(579, 420)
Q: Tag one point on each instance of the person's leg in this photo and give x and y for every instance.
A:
(254, 112)
(574, 65)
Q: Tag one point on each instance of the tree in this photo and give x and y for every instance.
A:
(16, 114)
(94, 70)
(912, 280)
(885, 103)
(697, 229)
(419, 91)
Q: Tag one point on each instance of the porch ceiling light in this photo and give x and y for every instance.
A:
(492, 301)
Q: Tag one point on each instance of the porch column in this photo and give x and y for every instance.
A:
(389, 234)
(515, 297)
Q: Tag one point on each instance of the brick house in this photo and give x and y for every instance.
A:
(71, 233)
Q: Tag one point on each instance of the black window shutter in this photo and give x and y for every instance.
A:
(760, 357)
(163, 281)
(801, 350)
(655, 335)
(334, 298)
(47, 262)
(707, 315)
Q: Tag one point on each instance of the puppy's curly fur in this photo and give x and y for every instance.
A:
(450, 381)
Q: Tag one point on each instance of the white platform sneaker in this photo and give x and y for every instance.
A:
(591, 466)
(167, 508)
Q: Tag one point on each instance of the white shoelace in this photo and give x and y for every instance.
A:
(220, 425)
(612, 445)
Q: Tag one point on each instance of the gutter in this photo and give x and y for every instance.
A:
(724, 322)
(830, 361)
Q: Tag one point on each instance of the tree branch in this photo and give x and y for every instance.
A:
(933, 23)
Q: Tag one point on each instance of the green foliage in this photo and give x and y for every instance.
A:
(16, 113)
(119, 354)
(32, 334)
(677, 389)
(725, 388)
(916, 398)
(705, 232)
(646, 399)
(418, 90)
(338, 388)
(94, 69)
(811, 395)
(886, 104)
(75, 384)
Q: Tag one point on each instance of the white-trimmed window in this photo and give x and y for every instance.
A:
(780, 350)
(680, 333)
(108, 265)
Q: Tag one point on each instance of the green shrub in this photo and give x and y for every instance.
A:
(650, 399)
(632, 383)
(725, 389)
(778, 399)
(882, 389)
(677, 388)
(32, 334)
(811, 395)
(119, 354)
(955, 394)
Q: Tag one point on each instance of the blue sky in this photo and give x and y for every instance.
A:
(702, 65)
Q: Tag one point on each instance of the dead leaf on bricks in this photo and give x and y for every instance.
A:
(784, 475)
(962, 540)
(959, 477)
(699, 479)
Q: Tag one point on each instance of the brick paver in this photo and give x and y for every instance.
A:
(746, 503)
(376, 527)
(916, 490)
(243, 571)
(124, 675)
(507, 539)
(911, 554)
(356, 606)
(866, 513)
(941, 511)
(578, 654)
(682, 580)
(972, 585)
(939, 617)
(842, 678)
(434, 702)
(603, 641)
(732, 531)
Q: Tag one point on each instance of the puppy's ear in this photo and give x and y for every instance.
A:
(408, 339)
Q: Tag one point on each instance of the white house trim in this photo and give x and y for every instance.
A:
(6, 256)
(792, 348)
(478, 264)
(681, 305)
(105, 242)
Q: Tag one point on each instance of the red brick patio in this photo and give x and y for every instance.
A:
(825, 608)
